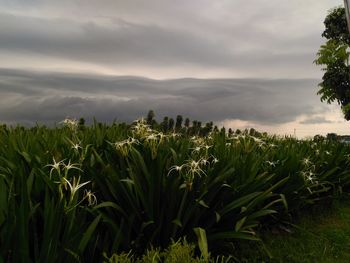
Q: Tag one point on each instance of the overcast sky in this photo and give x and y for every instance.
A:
(239, 63)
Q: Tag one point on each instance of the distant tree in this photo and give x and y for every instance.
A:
(165, 124)
(187, 123)
(332, 136)
(171, 124)
(150, 118)
(223, 130)
(206, 129)
(178, 124)
(193, 128)
(318, 138)
(197, 125)
(334, 56)
(81, 122)
(230, 132)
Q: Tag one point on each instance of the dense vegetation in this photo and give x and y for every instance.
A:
(75, 193)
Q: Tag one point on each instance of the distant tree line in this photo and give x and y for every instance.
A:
(185, 126)
(181, 125)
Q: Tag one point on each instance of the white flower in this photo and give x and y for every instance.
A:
(91, 198)
(306, 161)
(70, 165)
(273, 164)
(55, 166)
(76, 146)
(196, 149)
(215, 160)
(74, 186)
(70, 123)
(151, 137)
(208, 146)
(204, 161)
(176, 168)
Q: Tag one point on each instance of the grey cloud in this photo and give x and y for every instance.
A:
(315, 120)
(242, 47)
(50, 97)
(124, 43)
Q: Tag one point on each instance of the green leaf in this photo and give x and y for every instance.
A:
(88, 233)
(217, 216)
(202, 242)
(202, 203)
(233, 235)
(240, 223)
(177, 222)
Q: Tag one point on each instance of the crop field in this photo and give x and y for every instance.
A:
(83, 193)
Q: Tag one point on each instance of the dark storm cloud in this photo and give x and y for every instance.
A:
(161, 34)
(28, 97)
(122, 43)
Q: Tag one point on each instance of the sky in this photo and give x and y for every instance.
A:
(238, 63)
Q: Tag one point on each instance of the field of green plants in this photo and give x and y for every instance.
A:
(84, 193)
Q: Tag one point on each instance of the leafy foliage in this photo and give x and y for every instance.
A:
(75, 192)
(334, 56)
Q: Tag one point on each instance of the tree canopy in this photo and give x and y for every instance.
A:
(334, 57)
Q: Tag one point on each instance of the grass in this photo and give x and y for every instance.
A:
(320, 236)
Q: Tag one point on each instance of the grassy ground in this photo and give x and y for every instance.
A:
(322, 236)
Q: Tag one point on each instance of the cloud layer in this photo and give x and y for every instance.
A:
(29, 96)
(162, 39)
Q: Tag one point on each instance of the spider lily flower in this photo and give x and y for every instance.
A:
(306, 161)
(257, 140)
(124, 146)
(152, 141)
(76, 146)
(74, 186)
(161, 136)
(194, 168)
(261, 144)
(152, 137)
(141, 128)
(91, 198)
(72, 124)
(176, 168)
(174, 135)
(70, 165)
(207, 147)
(273, 164)
(215, 160)
(309, 176)
(55, 166)
(204, 161)
(196, 149)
